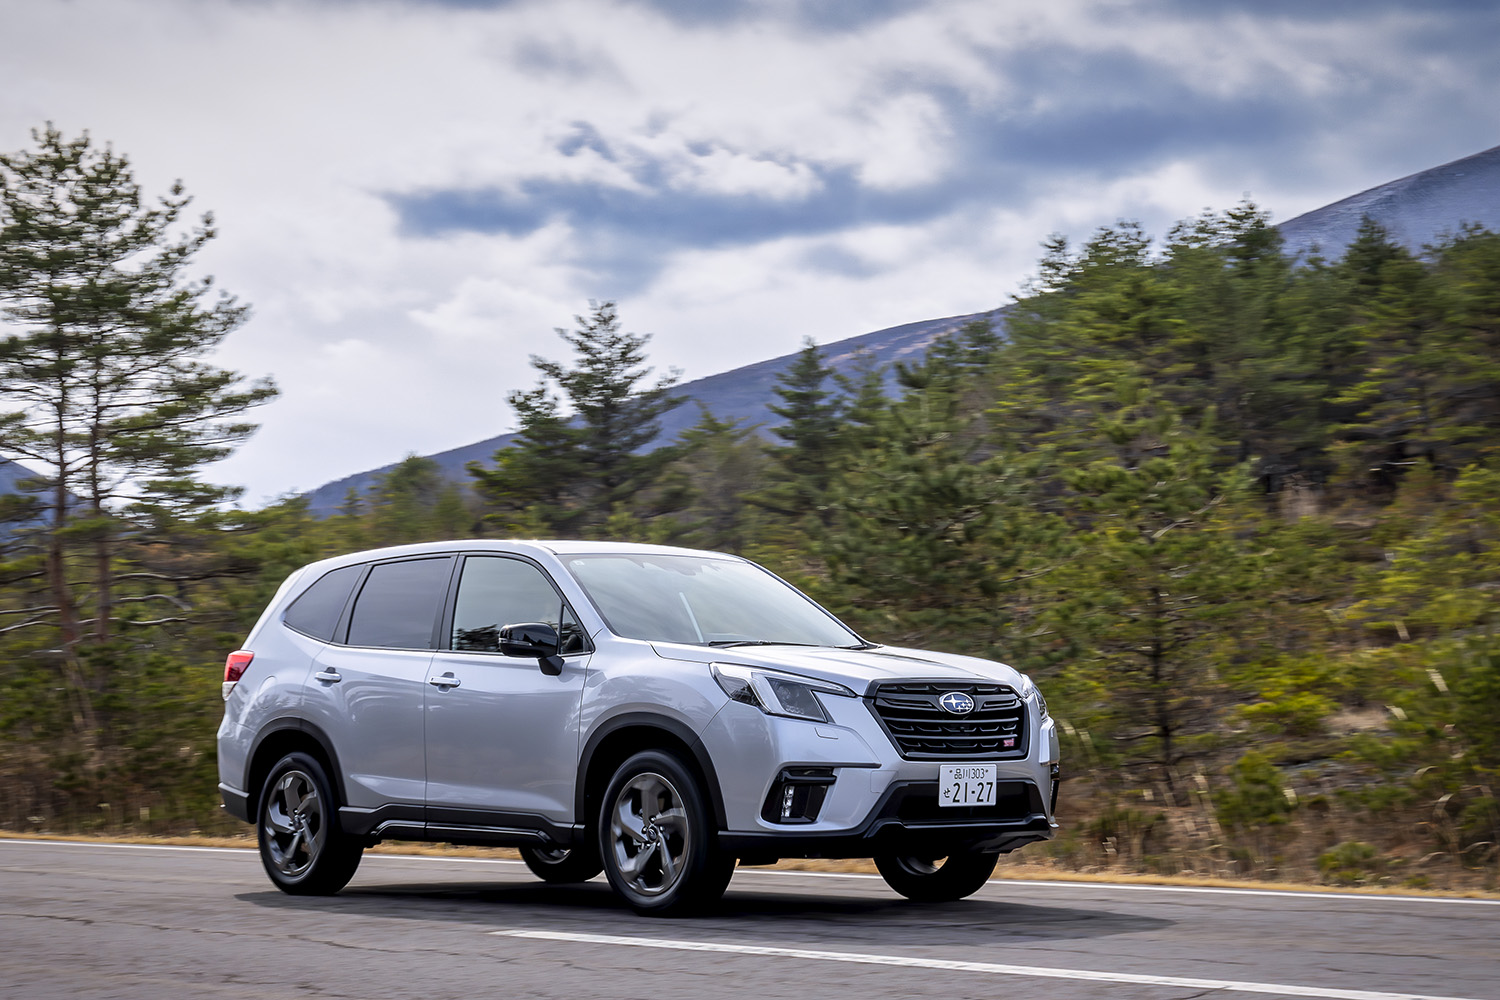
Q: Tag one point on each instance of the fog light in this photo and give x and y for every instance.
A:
(797, 795)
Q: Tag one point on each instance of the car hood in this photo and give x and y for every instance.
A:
(854, 668)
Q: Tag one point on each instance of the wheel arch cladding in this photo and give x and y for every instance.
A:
(290, 736)
(617, 739)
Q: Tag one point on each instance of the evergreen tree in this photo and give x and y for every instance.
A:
(1098, 318)
(718, 466)
(1238, 352)
(102, 370)
(1151, 601)
(1427, 355)
(581, 456)
(802, 467)
(933, 526)
(863, 401)
(415, 502)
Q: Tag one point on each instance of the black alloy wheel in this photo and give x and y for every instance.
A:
(656, 837)
(562, 865)
(936, 879)
(301, 846)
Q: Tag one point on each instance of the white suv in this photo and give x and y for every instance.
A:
(659, 713)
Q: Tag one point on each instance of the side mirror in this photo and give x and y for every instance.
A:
(533, 639)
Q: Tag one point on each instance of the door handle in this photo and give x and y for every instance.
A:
(331, 676)
(445, 681)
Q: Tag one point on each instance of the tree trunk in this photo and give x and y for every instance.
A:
(62, 595)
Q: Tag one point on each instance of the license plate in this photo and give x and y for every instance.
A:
(966, 784)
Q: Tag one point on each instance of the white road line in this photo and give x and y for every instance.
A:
(249, 850)
(124, 847)
(1354, 897)
(989, 968)
(1137, 887)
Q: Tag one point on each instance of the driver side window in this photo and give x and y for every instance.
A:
(494, 592)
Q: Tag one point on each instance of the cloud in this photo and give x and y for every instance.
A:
(933, 149)
(563, 59)
(1336, 11)
(628, 235)
(413, 193)
(820, 15)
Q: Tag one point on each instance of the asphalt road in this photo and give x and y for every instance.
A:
(97, 920)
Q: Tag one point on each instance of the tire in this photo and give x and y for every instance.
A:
(301, 846)
(562, 865)
(936, 880)
(656, 838)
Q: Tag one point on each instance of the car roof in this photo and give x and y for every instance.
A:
(510, 545)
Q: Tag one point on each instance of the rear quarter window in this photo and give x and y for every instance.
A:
(316, 612)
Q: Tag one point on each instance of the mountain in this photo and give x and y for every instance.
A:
(744, 393)
(11, 475)
(1416, 210)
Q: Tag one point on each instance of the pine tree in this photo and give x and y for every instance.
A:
(415, 502)
(933, 526)
(802, 467)
(582, 455)
(1150, 601)
(708, 485)
(863, 400)
(102, 370)
(1428, 336)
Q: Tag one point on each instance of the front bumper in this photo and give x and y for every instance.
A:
(878, 801)
(907, 820)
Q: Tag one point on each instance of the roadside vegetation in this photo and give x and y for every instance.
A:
(1239, 515)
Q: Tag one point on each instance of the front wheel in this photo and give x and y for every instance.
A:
(936, 880)
(562, 865)
(656, 837)
(301, 846)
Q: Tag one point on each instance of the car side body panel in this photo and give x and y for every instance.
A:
(504, 738)
(370, 702)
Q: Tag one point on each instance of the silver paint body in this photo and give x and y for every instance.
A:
(508, 736)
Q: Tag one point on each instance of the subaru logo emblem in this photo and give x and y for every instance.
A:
(957, 703)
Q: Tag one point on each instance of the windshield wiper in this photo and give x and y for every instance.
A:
(721, 643)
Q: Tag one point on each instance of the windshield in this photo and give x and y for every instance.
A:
(701, 599)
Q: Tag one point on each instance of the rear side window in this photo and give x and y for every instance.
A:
(398, 605)
(316, 612)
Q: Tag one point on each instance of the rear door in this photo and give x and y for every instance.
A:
(502, 738)
(370, 686)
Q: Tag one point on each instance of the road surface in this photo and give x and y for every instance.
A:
(123, 921)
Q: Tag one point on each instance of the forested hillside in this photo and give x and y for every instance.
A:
(1238, 516)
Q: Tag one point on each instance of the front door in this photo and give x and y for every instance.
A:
(502, 738)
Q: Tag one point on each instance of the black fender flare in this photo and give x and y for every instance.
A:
(648, 720)
(286, 724)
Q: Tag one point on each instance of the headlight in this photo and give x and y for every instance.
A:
(775, 693)
(1028, 691)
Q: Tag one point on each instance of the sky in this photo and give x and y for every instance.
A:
(413, 194)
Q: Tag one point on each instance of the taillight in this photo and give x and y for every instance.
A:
(234, 669)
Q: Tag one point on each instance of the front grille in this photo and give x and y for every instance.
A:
(922, 729)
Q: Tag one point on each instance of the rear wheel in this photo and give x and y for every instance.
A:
(936, 880)
(301, 846)
(562, 865)
(656, 837)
